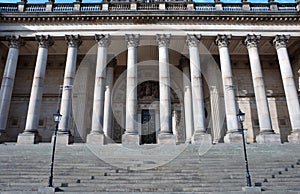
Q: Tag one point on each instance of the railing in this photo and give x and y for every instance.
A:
(159, 5)
(260, 7)
(232, 7)
(148, 6)
(63, 7)
(35, 8)
(8, 7)
(205, 6)
(91, 7)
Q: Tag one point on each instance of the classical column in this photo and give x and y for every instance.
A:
(266, 134)
(233, 134)
(215, 114)
(188, 107)
(64, 135)
(165, 136)
(280, 42)
(30, 134)
(14, 44)
(131, 135)
(107, 102)
(96, 136)
(197, 89)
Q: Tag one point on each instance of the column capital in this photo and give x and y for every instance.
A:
(223, 40)
(163, 40)
(132, 40)
(73, 40)
(193, 40)
(44, 40)
(281, 41)
(103, 40)
(251, 40)
(15, 41)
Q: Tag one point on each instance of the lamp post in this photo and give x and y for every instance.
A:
(56, 119)
(241, 118)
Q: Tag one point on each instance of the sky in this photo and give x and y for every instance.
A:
(97, 1)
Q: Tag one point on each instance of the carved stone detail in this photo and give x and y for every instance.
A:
(281, 41)
(132, 40)
(223, 40)
(44, 40)
(73, 40)
(15, 41)
(252, 40)
(193, 40)
(163, 40)
(103, 40)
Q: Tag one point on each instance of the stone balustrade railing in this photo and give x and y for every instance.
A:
(139, 6)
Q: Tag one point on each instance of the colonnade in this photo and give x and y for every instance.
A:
(193, 90)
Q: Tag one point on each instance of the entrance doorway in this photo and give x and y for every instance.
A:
(148, 133)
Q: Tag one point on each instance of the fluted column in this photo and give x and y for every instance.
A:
(73, 42)
(188, 107)
(131, 133)
(14, 44)
(165, 136)
(96, 135)
(197, 88)
(107, 130)
(266, 132)
(30, 134)
(280, 43)
(230, 105)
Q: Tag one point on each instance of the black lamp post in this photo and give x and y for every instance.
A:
(56, 119)
(241, 118)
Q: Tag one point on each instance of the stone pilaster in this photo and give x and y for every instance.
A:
(165, 136)
(197, 89)
(233, 134)
(280, 43)
(14, 44)
(30, 134)
(267, 134)
(63, 135)
(131, 135)
(97, 136)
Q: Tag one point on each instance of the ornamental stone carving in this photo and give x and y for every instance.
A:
(281, 41)
(223, 40)
(193, 40)
(44, 41)
(132, 40)
(163, 40)
(14, 41)
(252, 40)
(73, 40)
(103, 40)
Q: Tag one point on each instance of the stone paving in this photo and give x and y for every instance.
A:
(206, 168)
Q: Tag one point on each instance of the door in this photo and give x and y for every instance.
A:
(148, 133)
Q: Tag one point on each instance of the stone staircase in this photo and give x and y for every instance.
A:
(150, 168)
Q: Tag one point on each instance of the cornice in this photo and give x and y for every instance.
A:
(153, 17)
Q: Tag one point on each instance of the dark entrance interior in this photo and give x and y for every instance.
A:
(148, 133)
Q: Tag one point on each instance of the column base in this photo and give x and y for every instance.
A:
(233, 138)
(63, 138)
(130, 139)
(29, 138)
(200, 138)
(166, 138)
(97, 138)
(268, 138)
(252, 190)
(294, 137)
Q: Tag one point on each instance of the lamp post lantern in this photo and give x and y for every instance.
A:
(241, 118)
(56, 119)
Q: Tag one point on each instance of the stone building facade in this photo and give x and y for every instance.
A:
(149, 72)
